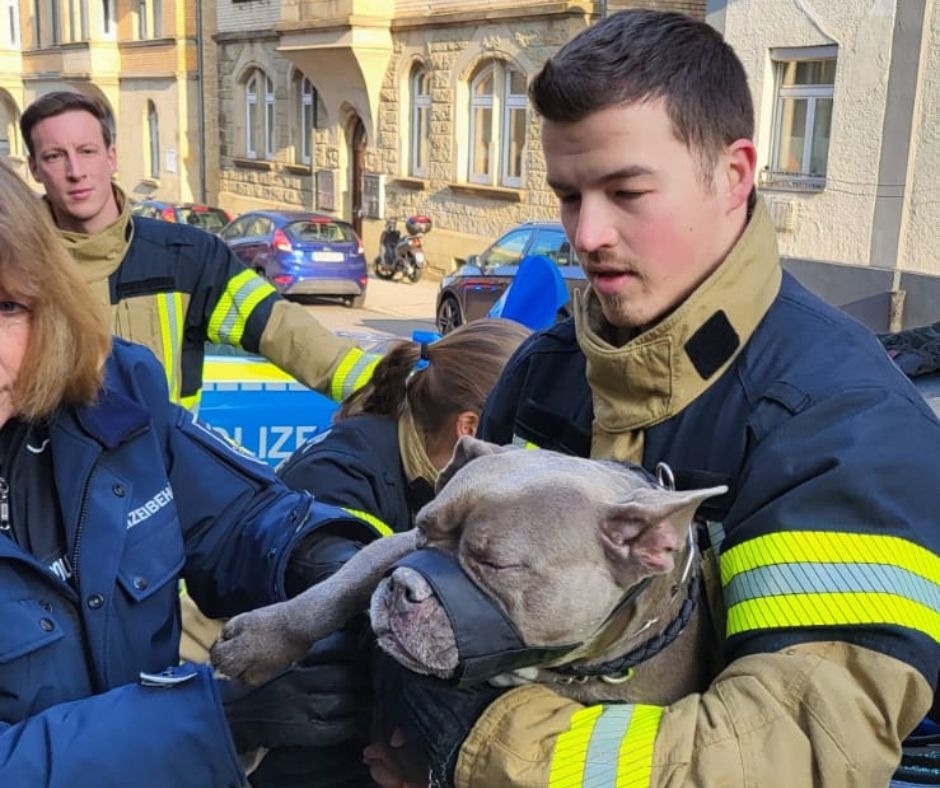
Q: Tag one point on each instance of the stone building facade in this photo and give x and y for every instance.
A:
(417, 107)
(141, 57)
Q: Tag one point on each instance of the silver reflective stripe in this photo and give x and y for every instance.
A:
(716, 535)
(600, 765)
(351, 377)
(826, 578)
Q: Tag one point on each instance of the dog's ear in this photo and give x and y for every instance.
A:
(642, 533)
(466, 449)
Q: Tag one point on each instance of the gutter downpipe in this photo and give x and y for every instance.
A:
(201, 122)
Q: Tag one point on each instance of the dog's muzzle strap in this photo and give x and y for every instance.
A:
(488, 643)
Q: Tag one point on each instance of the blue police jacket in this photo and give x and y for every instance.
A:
(356, 464)
(147, 494)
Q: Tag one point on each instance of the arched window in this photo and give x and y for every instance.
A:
(420, 121)
(259, 115)
(497, 125)
(153, 137)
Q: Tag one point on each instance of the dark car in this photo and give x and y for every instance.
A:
(469, 292)
(301, 254)
(205, 217)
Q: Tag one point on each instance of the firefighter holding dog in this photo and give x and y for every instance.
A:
(691, 346)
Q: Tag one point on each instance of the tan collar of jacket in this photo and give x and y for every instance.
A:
(414, 455)
(100, 254)
(661, 371)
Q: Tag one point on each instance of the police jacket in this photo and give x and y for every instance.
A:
(147, 495)
(827, 540)
(357, 465)
(173, 287)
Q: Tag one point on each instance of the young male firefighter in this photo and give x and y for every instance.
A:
(691, 346)
(171, 287)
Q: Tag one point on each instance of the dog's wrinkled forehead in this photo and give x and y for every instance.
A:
(527, 473)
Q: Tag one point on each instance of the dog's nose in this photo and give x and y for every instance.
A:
(410, 583)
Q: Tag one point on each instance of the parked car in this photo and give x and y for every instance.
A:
(301, 254)
(469, 292)
(205, 217)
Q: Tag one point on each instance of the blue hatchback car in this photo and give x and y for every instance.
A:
(301, 254)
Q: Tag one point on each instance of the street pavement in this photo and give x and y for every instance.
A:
(391, 309)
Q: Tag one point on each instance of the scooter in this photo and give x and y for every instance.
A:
(402, 255)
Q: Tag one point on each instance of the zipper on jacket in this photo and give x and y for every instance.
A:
(4, 505)
(86, 648)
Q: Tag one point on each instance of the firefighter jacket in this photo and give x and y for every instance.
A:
(357, 464)
(173, 287)
(827, 541)
(146, 494)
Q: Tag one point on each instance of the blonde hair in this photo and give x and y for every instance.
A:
(69, 340)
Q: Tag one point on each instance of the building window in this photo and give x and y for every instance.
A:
(156, 9)
(805, 84)
(268, 118)
(13, 22)
(497, 125)
(78, 21)
(142, 29)
(107, 17)
(8, 126)
(259, 115)
(306, 118)
(56, 22)
(514, 122)
(420, 121)
(153, 135)
(37, 23)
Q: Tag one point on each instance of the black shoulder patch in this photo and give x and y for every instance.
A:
(712, 345)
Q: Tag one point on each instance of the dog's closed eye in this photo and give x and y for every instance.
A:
(483, 559)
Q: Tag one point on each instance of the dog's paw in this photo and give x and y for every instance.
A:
(254, 646)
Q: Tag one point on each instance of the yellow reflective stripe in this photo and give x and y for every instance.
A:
(191, 402)
(182, 587)
(345, 364)
(635, 762)
(606, 747)
(828, 547)
(521, 443)
(246, 307)
(835, 609)
(571, 747)
(353, 372)
(242, 293)
(371, 519)
(827, 579)
(170, 318)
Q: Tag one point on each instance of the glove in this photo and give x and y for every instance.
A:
(313, 767)
(434, 715)
(322, 701)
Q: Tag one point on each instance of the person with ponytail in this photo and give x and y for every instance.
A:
(390, 438)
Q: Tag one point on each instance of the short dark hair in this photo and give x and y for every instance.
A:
(636, 55)
(51, 104)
